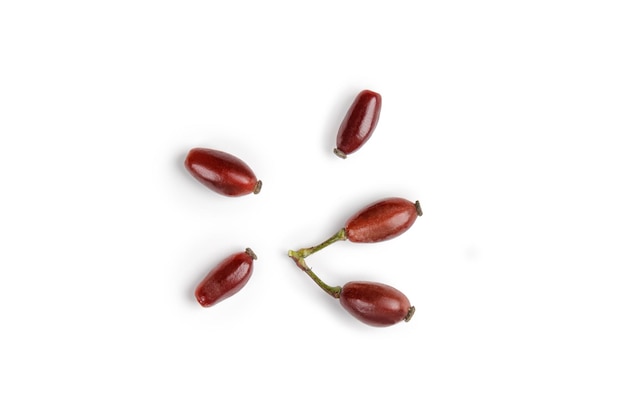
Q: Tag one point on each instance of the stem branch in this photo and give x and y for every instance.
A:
(299, 260)
(304, 252)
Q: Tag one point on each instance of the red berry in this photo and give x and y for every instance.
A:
(382, 220)
(375, 304)
(359, 123)
(222, 172)
(226, 279)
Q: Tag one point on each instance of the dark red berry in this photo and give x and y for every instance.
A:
(382, 220)
(375, 304)
(359, 123)
(226, 279)
(222, 172)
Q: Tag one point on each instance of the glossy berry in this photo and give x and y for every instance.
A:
(375, 304)
(359, 123)
(382, 220)
(222, 172)
(226, 279)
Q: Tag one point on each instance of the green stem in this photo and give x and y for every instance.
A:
(299, 260)
(304, 252)
(299, 255)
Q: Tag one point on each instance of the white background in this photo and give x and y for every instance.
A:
(505, 119)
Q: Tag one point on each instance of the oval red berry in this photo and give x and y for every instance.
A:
(375, 304)
(222, 172)
(226, 279)
(382, 220)
(359, 123)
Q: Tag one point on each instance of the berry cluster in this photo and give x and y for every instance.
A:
(373, 303)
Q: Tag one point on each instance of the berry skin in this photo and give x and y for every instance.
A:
(382, 220)
(359, 123)
(222, 172)
(226, 279)
(375, 304)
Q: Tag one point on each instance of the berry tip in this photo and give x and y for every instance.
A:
(409, 315)
(257, 187)
(339, 153)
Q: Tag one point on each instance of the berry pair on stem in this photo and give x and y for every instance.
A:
(373, 303)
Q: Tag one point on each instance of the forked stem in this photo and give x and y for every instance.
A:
(299, 260)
